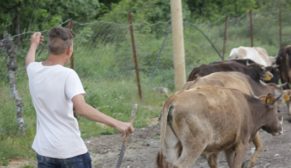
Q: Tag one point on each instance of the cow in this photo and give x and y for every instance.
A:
(245, 84)
(235, 80)
(255, 71)
(205, 120)
(273, 69)
(257, 54)
(283, 61)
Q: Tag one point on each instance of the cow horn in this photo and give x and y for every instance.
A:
(282, 85)
(263, 83)
(277, 98)
(275, 66)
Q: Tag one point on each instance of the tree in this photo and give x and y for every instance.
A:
(17, 16)
(210, 9)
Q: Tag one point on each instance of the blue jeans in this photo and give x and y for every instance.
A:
(81, 161)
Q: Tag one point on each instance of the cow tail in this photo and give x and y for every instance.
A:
(166, 120)
(163, 125)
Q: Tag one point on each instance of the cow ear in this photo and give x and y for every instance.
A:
(269, 99)
(267, 76)
(286, 96)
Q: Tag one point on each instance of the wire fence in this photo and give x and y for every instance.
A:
(103, 50)
(100, 41)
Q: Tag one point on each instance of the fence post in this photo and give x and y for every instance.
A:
(12, 67)
(251, 28)
(280, 26)
(70, 26)
(134, 55)
(225, 37)
(178, 43)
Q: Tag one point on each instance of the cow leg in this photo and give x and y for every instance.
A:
(238, 157)
(229, 155)
(257, 141)
(212, 160)
(193, 140)
(289, 110)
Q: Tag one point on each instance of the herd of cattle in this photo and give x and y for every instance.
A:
(222, 107)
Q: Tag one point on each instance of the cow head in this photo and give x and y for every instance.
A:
(275, 72)
(274, 120)
(261, 72)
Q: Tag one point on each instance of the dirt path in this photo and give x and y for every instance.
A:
(144, 144)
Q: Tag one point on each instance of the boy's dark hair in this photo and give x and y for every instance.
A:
(60, 39)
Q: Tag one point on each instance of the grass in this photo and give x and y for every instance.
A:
(113, 97)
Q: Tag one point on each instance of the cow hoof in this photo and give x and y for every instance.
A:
(246, 164)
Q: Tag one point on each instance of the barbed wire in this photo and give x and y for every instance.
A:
(123, 25)
(30, 32)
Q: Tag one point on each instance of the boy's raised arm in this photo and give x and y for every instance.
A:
(35, 40)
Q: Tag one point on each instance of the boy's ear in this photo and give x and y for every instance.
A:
(69, 51)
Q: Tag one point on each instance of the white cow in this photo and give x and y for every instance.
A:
(256, 54)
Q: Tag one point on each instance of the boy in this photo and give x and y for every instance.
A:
(56, 91)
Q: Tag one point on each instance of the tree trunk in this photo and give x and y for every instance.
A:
(12, 67)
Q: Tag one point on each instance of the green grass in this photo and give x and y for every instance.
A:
(113, 97)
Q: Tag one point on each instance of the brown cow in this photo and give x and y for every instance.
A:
(245, 84)
(283, 61)
(255, 71)
(235, 80)
(209, 119)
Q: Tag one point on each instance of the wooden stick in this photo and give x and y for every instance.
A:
(124, 142)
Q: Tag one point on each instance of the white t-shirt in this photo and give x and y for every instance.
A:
(52, 89)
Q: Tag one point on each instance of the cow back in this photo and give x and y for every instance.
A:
(254, 71)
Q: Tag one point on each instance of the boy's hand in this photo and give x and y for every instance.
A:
(36, 38)
(126, 128)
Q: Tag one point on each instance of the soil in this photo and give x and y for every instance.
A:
(143, 145)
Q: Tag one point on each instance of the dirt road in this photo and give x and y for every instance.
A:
(143, 146)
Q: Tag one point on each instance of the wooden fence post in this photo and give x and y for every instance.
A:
(251, 28)
(70, 26)
(134, 55)
(178, 43)
(10, 49)
(280, 26)
(225, 37)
